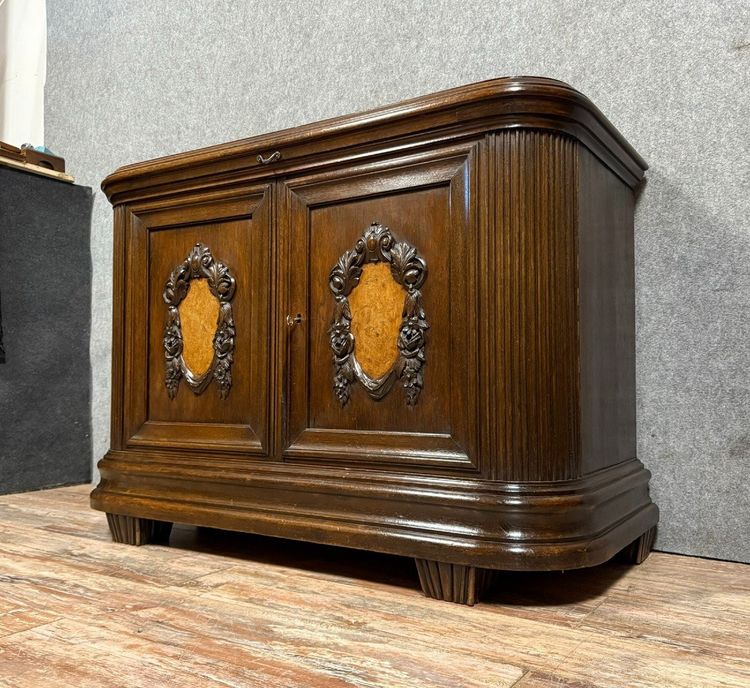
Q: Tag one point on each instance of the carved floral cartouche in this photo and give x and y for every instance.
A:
(199, 264)
(409, 270)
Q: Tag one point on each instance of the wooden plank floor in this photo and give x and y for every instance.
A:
(226, 609)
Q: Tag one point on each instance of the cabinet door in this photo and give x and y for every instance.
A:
(380, 280)
(197, 323)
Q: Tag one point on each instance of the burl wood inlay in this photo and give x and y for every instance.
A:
(199, 312)
(377, 304)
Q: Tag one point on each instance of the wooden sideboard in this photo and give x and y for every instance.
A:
(409, 330)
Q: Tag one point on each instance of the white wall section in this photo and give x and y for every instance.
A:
(23, 69)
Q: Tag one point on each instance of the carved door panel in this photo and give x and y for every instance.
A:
(380, 277)
(197, 324)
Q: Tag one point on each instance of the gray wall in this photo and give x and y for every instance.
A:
(138, 79)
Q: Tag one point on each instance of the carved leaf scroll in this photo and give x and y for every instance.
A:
(198, 265)
(408, 270)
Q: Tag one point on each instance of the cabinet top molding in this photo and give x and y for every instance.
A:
(509, 102)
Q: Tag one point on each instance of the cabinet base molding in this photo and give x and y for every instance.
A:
(480, 523)
(637, 551)
(453, 582)
(131, 530)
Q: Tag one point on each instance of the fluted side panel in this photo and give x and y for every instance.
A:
(536, 342)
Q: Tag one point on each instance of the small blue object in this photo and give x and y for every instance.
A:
(40, 149)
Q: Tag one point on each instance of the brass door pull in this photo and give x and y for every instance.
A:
(292, 321)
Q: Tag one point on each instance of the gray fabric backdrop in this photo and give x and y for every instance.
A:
(137, 79)
(45, 286)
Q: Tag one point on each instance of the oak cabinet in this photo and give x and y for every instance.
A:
(409, 330)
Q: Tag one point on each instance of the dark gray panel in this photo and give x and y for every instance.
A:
(45, 286)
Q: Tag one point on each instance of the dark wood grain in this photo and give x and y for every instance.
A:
(160, 235)
(537, 102)
(606, 316)
(637, 551)
(453, 582)
(515, 450)
(535, 300)
(428, 202)
(132, 530)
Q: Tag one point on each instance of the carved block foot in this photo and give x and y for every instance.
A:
(453, 582)
(638, 550)
(131, 530)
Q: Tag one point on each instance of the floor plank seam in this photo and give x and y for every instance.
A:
(193, 579)
(552, 671)
(525, 675)
(28, 629)
(583, 619)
